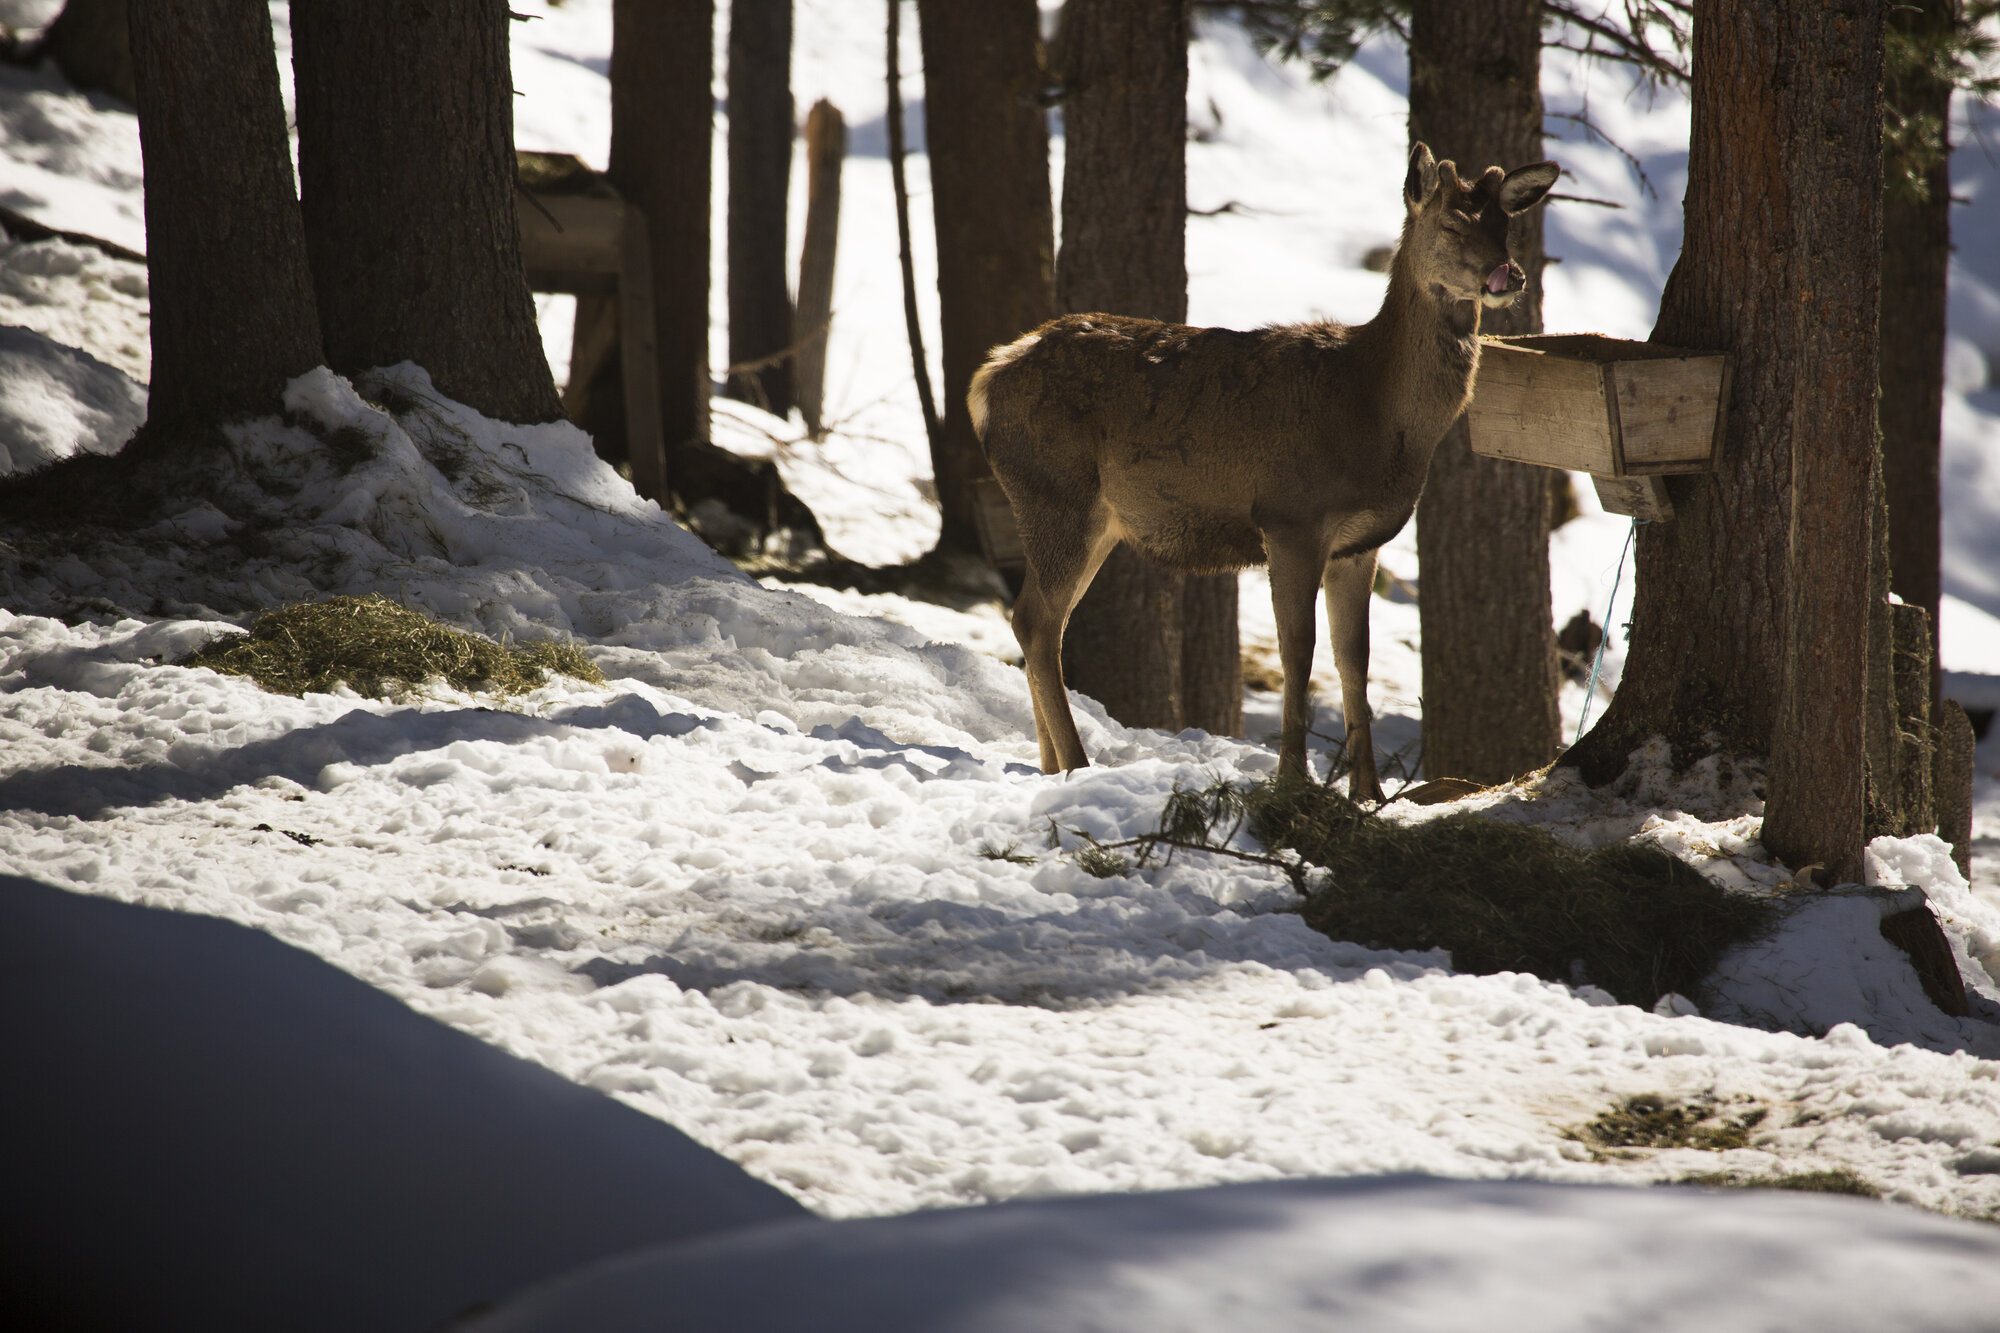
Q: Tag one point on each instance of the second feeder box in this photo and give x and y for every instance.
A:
(1628, 413)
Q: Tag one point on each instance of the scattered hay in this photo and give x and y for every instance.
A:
(1652, 1121)
(1506, 897)
(1839, 1180)
(378, 647)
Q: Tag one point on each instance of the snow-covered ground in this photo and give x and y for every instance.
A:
(786, 881)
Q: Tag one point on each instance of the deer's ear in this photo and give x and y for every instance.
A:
(1423, 177)
(1526, 186)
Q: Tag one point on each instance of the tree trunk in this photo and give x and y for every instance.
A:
(90, 41)
(406, 175)
(1815, 805)
(990, 199)
(1710, 602)
(1124, 232)
(662, 124)
(760, 174)
(1916, 250)
(1489, 642)
(232, 298)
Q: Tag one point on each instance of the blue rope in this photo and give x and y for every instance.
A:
(1590, 691)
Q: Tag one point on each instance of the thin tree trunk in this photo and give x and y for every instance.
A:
(1816, 796)
(1916, 251)
(989, 150)
(1489, 641)
(662, 127)
(760, 174)
(919, 360)
(232, 299)
(406, 166)
(1710, 598)
(1124, 251)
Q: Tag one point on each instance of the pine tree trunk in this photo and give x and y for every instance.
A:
(760, 174)
(232, 299)
(662, 124)
(1916, 251)
(1124, 232)
(1816, 796)
(406, 167)
(988, 139)
(1710, 601)
(1489, 644)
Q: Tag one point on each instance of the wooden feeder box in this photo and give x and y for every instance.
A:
(578, 235)
(1628, 413)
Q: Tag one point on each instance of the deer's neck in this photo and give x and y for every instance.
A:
(1424, 346)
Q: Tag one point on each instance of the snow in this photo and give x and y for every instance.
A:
(56, 401)
(786, 883)
(1381, 1255)
(238, 1123)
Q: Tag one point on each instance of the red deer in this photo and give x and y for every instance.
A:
(1298, 446)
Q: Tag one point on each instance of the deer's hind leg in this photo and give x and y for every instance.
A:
(1350, 581)
(1064, 549)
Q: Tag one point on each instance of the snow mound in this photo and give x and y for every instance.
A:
(56, 401)
(263, 1141)
(1365, 1256)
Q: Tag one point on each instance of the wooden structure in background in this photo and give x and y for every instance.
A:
(578, 236)
(1626, 412)
(812, 316)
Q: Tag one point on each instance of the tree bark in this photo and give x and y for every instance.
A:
(1489, 645)
(1815, 800)
(406, 177)
(662, 125)
(760, 174)
(1124, 233)
(988, 138)
(1916, 251)
(90, 42)
(233, 316)
(1710, 600)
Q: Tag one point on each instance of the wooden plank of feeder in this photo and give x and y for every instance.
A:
(1533, 408)
(998, 533)
(587, 246)
(1670, 412)
(1635, 497)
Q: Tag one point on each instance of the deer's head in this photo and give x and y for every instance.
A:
(1456, 234)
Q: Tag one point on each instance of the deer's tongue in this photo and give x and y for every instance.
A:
(1496, 281)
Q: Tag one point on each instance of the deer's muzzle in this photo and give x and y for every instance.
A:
(1503, 284)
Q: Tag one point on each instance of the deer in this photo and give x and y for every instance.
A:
(1301, 447)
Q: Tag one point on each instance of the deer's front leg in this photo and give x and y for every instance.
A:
(1295, 570)
(1350, 581)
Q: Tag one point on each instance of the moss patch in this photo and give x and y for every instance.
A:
(1505, 897)
(1837, 1181)
(377, 647)
(1652, 1121)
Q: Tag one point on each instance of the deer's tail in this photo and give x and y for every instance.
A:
(978, 398)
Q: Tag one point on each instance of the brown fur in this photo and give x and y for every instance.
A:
(1302, 446)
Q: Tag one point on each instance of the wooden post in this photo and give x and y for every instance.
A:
(826, 146)
(1911, 629)
(1954, 783)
